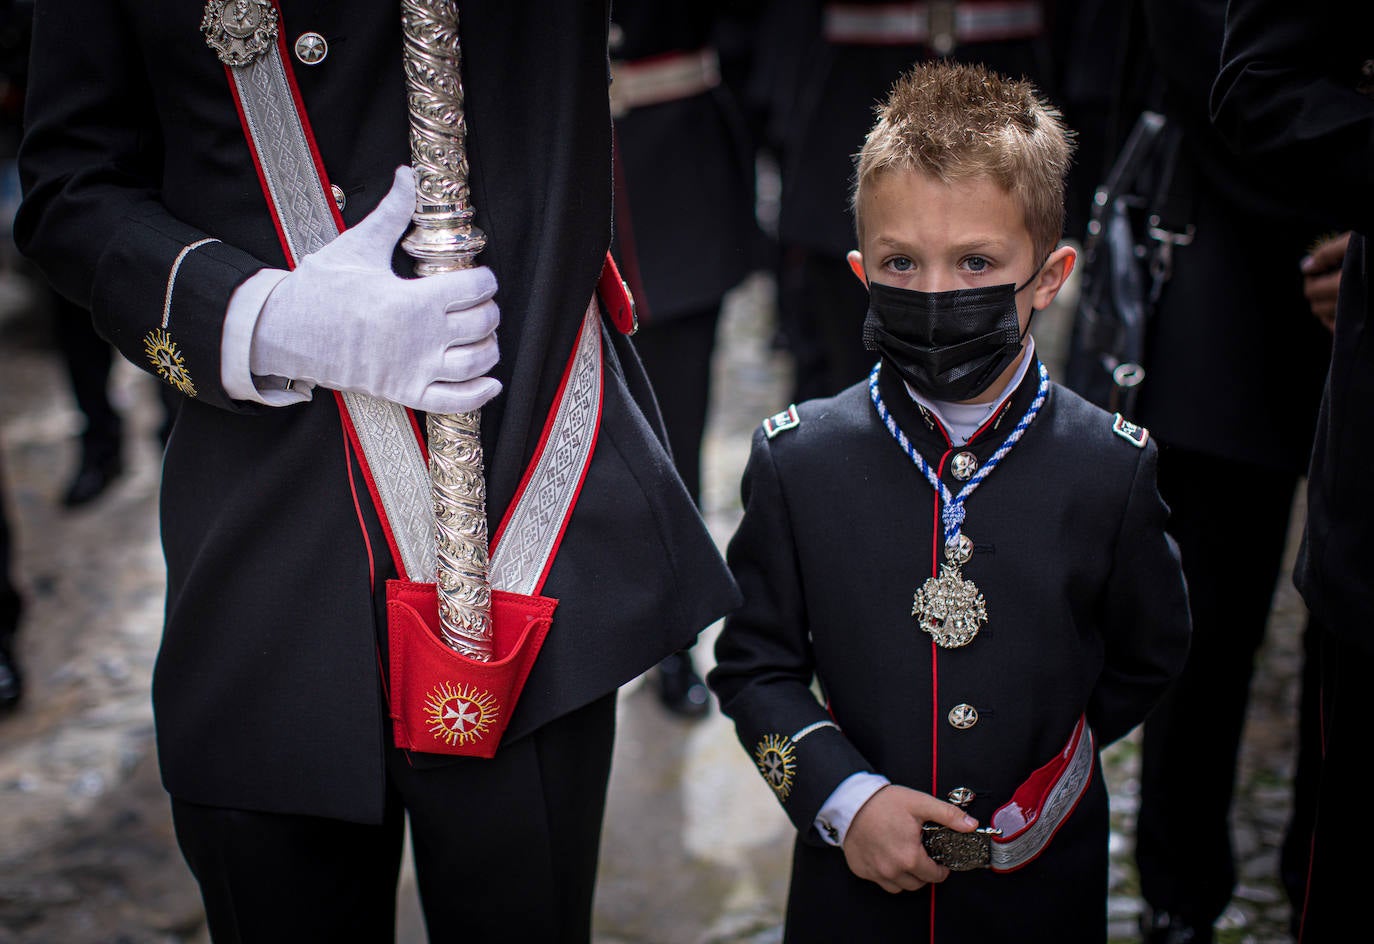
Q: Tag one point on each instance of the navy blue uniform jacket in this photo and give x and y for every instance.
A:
(1087, 614)
(267, 692)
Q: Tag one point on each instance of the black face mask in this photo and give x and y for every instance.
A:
(949, 346)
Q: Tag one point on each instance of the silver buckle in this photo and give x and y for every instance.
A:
(959, 852)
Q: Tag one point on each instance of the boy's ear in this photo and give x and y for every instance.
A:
(856, 265)
(1055, 272)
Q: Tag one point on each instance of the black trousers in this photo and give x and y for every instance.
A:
(88, 358)
(1338, 883)
(822, 308)
(11, 604)
(676, 354)
(1231, 524)
(505, 850)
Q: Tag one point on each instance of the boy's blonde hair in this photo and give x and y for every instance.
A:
(956, 121)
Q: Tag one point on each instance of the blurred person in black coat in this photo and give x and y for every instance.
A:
(1230, 320)
(1294, 93)
(685, 232)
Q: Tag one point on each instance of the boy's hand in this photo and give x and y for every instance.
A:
(883, 843)
(1321, 282)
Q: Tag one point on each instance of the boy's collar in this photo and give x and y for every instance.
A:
(945, 411)
(927, 433)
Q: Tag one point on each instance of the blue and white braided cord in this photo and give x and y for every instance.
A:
(952, 513)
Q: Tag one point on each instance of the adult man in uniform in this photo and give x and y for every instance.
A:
(144, 202)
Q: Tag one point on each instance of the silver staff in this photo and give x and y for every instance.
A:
(443, 239)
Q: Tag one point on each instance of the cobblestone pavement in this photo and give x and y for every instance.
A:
(695, 849)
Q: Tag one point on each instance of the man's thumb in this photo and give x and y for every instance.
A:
(374, 239)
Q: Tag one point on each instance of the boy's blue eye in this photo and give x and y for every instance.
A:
(976, 263)
(900, 263)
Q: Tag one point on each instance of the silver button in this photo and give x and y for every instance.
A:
(959, 550)
(964, 465)
(960, 796)
(963, 716)
(311, 48)
(340, 200)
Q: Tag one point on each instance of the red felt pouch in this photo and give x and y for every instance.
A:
(446, 703)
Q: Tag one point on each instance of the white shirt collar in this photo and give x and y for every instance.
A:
(961, 420)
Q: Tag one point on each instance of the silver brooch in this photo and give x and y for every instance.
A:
(948, 607)
(239, 31)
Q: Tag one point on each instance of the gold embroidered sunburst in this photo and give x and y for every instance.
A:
(776, 757)
(167, 361)
(460, 714)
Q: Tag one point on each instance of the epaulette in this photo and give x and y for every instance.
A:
(1137, 436)
(778, 422)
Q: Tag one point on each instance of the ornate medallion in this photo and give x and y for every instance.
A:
(167, 361)
(776, 757)
(948, 607)
(460, 714)
(239, 31)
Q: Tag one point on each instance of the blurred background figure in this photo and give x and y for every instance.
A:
(685, 232)
(1234, 367)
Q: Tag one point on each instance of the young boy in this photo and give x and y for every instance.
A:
(969, 561)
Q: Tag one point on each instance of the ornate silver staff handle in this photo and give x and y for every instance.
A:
(443, 239)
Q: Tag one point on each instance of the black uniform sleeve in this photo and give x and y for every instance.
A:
(90, 164)
(764, 662)
(1147, 623)
(1286, 94)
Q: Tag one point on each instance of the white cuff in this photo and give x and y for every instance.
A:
(240, 319)
(832, 822)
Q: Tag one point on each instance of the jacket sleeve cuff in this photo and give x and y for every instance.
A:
(240, 318)
(832, 822)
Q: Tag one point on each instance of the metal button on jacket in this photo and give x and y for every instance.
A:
(960, 549)
(961, 796)
(964, 465)
(963, 716)
(340, 200)
(311, 48)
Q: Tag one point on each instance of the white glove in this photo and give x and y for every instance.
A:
(343, 319)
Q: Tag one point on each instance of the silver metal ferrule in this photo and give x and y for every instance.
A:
(443, 239)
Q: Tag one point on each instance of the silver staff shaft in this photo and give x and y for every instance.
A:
(443, 239)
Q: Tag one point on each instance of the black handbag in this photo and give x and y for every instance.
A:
(1139, 216)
